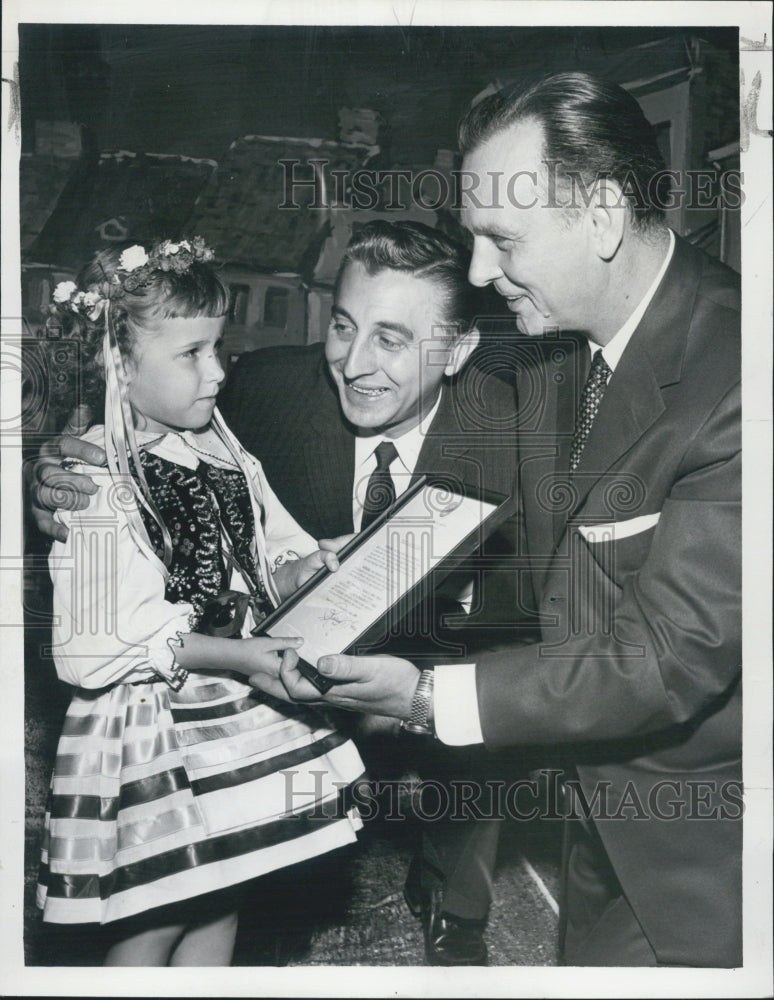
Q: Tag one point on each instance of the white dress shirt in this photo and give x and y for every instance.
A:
(615, 347)
(408, 446)
(455, 696)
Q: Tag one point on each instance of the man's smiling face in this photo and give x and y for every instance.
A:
(388, 348)
(542, 261)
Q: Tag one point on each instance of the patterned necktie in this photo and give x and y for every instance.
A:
(593, 391)
(380, 492)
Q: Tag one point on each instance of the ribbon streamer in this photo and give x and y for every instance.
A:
(121, 442)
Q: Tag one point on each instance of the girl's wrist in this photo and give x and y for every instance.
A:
(244, 655)
(236, 655)
(205, 652)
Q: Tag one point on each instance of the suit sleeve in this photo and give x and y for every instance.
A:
(654, 652)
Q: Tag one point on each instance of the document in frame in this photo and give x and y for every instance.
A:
(389, 565)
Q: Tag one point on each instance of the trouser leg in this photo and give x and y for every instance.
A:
(464, 853)
(599, 926)
(459, 837)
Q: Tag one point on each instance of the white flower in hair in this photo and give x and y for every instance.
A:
(64, 291)
(133, 258)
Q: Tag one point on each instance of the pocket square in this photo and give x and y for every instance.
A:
(613, 531)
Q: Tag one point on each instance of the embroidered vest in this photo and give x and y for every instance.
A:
(197, 505)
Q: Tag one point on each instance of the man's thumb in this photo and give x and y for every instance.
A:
(334, 666)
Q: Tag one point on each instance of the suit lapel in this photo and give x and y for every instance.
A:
(548, 372)
(652, 360)
(443, 445)
(632, 402)
(330, 467)
(549, 395)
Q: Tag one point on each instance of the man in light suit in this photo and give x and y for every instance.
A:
(630, 476)
(393, 369)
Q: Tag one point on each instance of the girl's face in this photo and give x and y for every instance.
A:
(174, 374)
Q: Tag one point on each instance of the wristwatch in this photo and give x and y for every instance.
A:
(420, 720)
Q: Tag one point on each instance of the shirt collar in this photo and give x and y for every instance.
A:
(615, 347)
(186, 448)
(408, 445)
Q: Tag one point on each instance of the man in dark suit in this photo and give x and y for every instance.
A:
(393, 370)
(630, 474)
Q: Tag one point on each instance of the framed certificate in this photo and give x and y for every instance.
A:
(386, 569)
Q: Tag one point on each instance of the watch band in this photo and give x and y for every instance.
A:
(420, 720)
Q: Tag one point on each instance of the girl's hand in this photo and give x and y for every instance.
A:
(260, 655)
(335, 544)
(292, 574)
(308, 566)
(270, 681)
(263, 654)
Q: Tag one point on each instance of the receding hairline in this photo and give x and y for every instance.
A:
(592, 129)
(527, 120)
(538, 156)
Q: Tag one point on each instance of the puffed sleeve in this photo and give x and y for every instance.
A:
(112, 624)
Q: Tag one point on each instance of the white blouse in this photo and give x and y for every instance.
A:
(112, 624)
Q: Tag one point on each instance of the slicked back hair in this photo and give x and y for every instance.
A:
(591, 129)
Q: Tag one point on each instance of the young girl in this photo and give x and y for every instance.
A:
(173, 779)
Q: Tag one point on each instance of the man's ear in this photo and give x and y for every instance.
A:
(607, 217)
(461, 350)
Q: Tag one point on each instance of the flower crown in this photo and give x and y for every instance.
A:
(139, 267)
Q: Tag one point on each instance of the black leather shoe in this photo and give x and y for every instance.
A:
(452, 941)
(449, 940)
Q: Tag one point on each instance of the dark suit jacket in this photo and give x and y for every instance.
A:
(283, 407)
(640, 664)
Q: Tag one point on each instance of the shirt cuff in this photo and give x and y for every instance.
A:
(455, 705)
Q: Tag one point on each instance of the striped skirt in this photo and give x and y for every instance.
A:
(158, 796)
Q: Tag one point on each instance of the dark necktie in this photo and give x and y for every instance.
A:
(380, 492)
(593, 391)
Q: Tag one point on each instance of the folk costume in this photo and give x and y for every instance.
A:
(163, 791)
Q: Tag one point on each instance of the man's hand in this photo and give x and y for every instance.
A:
(377, 685)
(51, 486)
(268, 679)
